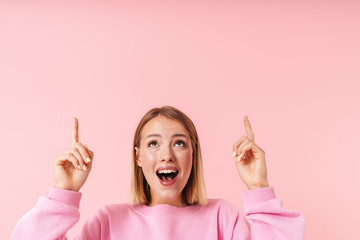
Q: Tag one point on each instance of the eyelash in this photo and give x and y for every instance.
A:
(149, 144)
(178, 141)
(182, 142)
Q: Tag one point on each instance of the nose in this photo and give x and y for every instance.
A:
(167, 154)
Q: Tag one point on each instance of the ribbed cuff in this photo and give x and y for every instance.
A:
(69, 197)
(254, 197)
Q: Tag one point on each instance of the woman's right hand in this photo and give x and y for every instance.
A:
(72, 167)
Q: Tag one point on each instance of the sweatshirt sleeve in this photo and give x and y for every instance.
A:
(50, 218)
(268, 220)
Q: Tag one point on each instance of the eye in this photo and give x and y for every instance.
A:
(152, 144)
(180, 143)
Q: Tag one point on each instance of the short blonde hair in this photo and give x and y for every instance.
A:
(194, 191)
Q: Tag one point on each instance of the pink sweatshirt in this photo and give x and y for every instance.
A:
(263, 218)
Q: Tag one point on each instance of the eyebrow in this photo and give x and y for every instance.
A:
(175, 135)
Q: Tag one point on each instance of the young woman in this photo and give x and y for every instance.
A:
(168, 192)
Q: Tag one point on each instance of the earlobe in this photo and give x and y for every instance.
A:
(137, 157)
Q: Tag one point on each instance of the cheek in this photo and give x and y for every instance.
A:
(148, 161)
(186, 159)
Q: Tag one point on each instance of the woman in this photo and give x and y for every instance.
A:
(168, 191)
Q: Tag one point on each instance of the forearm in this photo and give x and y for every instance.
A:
(267, 218)
(50, 218)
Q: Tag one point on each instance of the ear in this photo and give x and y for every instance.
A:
(137, 157)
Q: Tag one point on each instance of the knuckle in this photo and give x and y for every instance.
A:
(73, 157)
(73, 151)
(82, 149)
(85, 154)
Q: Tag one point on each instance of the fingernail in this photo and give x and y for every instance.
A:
(85, 146)
(238, 158)
(84, 168)
(88, 160)
(234, 153)
(79, 167)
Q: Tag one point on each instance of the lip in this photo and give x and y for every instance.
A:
(166, 168)
(167, 183)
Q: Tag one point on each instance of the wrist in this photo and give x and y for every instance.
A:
(66, 188)
(259, 185)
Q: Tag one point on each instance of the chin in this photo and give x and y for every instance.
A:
(166, 195)
(167, 190)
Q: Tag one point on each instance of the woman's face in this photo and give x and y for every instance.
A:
(165, 156)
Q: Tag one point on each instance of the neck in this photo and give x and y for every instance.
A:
(172, 202)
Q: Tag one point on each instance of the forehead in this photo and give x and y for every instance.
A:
(163, 125)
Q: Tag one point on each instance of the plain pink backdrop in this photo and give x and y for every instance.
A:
(291, 66)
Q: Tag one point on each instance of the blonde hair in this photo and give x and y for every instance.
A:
(194, 191)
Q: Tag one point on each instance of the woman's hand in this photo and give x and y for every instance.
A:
(72, 167)
(250, 160)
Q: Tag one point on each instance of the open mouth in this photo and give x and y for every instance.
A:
(167, 175)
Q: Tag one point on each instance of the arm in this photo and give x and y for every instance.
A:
(263, 211)
(268, 220)
(51, 217)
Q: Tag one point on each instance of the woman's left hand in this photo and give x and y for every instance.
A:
(250, 160)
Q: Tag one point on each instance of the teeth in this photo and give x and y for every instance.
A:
(166, 171)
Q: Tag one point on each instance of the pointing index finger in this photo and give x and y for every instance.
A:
(75, 131)
(249, 132)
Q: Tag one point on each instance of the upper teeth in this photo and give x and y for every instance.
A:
(166, 171)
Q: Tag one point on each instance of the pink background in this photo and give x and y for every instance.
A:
(291, 66)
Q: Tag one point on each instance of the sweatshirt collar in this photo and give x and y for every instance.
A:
(165, 209)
